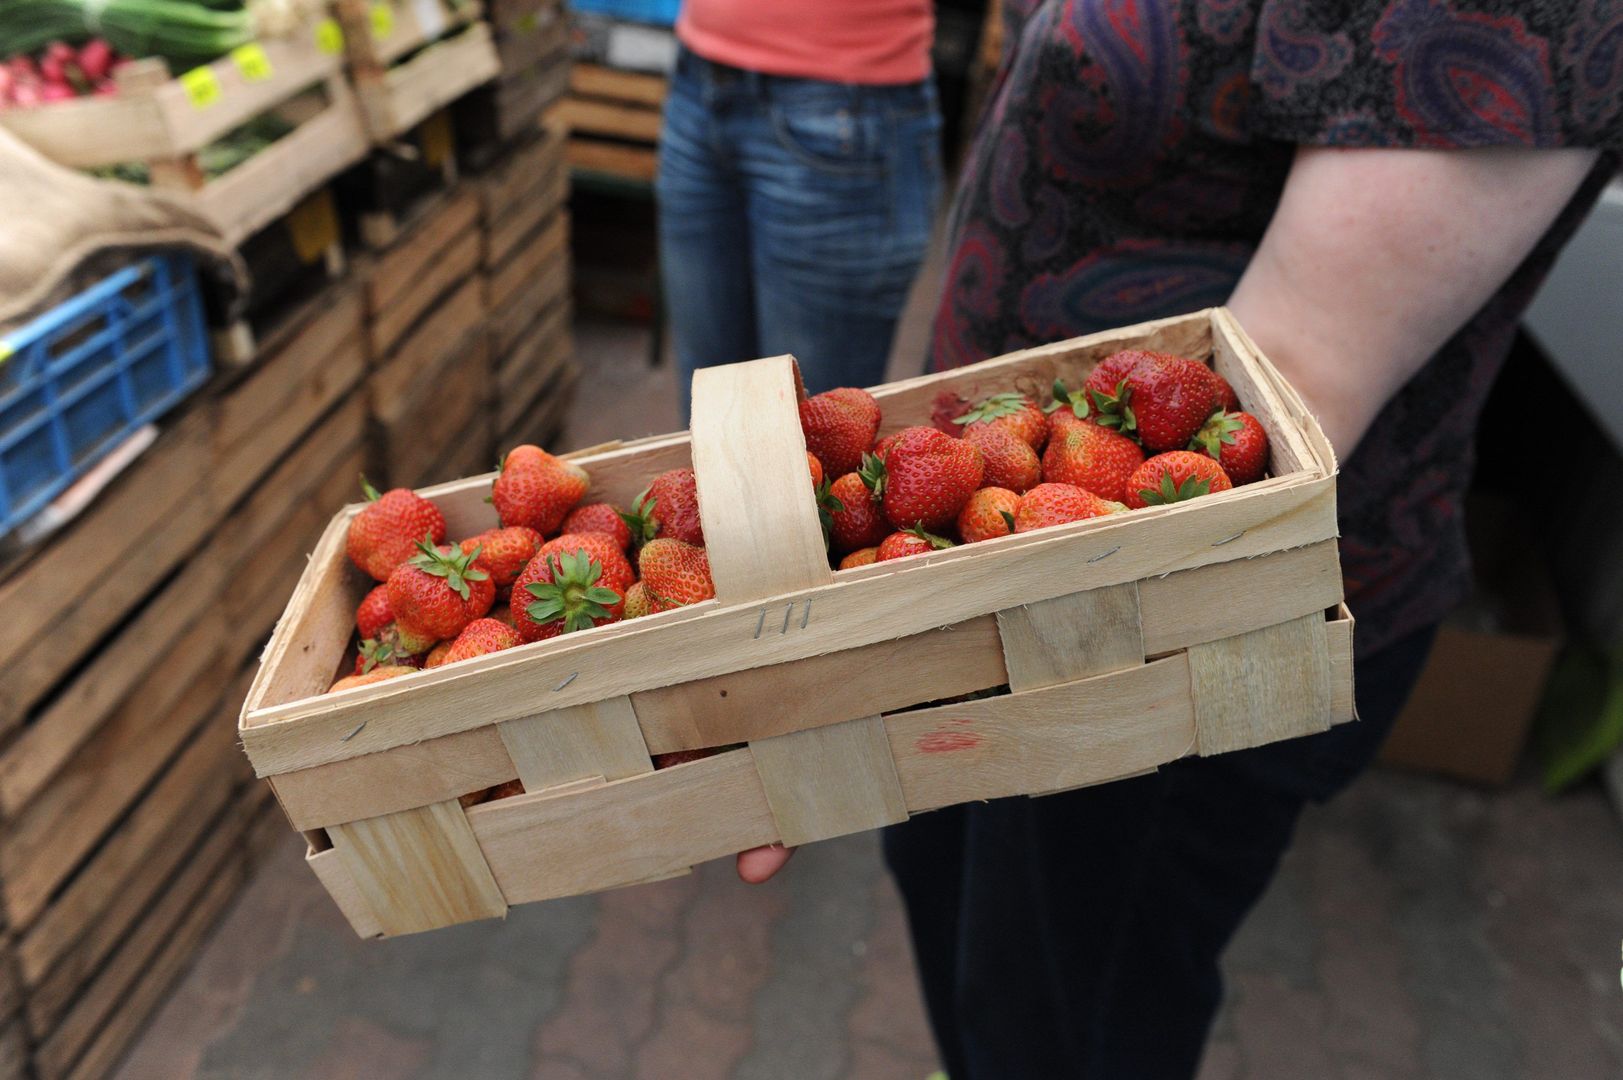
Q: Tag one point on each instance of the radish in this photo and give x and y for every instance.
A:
(96, 59)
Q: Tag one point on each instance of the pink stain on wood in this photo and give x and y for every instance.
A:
(942, 741)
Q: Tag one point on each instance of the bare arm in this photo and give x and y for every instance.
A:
(1375, 258)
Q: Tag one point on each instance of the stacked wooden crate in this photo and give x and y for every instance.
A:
(13, 1035)
(128, 647)
(613, 119)
(532, 45)
(410, 59)
(527, 286)
(428, 351)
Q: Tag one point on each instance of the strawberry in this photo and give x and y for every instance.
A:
(536, 490)
(914, 541)
(861, 557)
(375, 652)
(377, 674)
(1015, 413)
(881, 449)
(436, 655)
(926, 478)
(675, 574)
(945, 410)
(1010, 462)
(1163, 401)
(1107, 375)
(1056, 504)
(435, 594)
(838, 429)
(859, 400)
(598, 517)
(503, 553)
(1227, 399)
(374, 612)
(1238, 443)
(617, 572)
(562, 593)
(385, 533)
(670, 507)
(480, 637)
(637, 602)
(1091, 457)
(988, 514)
(816, 468)
(859, 522)
(1174, 477)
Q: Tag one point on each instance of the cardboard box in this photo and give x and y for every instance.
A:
(1471, 711)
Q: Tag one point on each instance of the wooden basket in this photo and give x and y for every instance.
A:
(165, 121)
(1126, 642)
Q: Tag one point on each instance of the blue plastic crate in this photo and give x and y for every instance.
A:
(77, 381)
(658, 12)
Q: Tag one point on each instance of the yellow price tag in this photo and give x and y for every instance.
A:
(527, 24)
(329, 37)
(202, 87)
(382, 20)
(6, 351)
(252, 62)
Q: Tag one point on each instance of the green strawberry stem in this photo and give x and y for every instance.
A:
(1191, 487)
(828, 504)
(873, 474)
(368, 490)
(1005, 404)
(1008, 519)
(640, 520)
(456, 568)
(1064, 397)
(1218, 431)
(572, 595)
(940, 543)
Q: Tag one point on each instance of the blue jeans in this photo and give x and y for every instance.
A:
(793, 215)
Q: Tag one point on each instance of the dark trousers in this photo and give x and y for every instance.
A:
(1078, 935)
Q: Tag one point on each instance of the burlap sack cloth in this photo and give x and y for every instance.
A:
(61, 230)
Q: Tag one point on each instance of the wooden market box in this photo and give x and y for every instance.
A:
(165, 121)
(1123, 642)
(410, 58)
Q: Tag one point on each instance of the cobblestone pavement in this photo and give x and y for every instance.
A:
(1417, 930)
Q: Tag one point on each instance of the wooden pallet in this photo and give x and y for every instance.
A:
(409, 60)
(165, 121)
(613, 119)
(1101, 632)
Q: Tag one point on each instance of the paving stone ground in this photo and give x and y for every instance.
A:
(1417, 930)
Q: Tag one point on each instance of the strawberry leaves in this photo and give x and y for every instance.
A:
(573, 595)
(1221, 429)
(873, 474)
(1191, 487)
(456, 568)
(1006, 404)
(640, 520)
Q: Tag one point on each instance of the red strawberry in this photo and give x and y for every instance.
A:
(859, 522)
(480, 637)
(374, 612)
(1009, 460)
(377, 674)
(385, 533)
(861, 557)
(1107, 375)
(374, 652)
(838, 430)
(988, 514)
(1093, 458)
(637, 602)
(1227, 399)
(436, 655)
(881, 449)
(562, 593)
(816, 468)
(1174, 477)
(1238, 443)
(675, 574)
(1015, 413)
(536, 489)
(598, 517)
(669, 508)
(617, 572)
(945, 410)
(435, 594)
(914, 541)
(503, 553)
(860, 400)
(927, 478)
(1164, 401)
(1056, 504)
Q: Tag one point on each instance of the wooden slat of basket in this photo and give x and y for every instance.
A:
(1068, 637)
(600, 740)
(419, 869)
(708, 640)
(335, 877)
(1256, 687)
(830, 781)
(1222, 600)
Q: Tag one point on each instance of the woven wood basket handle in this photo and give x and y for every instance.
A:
(755, 495)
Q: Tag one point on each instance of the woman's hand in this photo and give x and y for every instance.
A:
(757, 865)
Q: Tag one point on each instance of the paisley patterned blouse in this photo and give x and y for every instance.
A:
(1133, 151)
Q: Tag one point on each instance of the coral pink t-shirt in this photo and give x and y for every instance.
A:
(878, 42)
